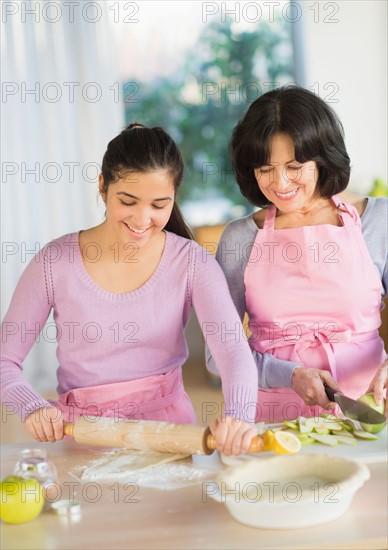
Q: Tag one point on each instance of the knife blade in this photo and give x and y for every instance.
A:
(354, 409)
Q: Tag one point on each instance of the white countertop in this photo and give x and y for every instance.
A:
(186, 518)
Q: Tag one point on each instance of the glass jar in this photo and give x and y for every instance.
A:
(34, 463)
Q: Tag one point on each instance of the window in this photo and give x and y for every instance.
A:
(195, 81)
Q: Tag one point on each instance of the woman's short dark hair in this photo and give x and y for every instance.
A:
(311, 124)
(139, 148)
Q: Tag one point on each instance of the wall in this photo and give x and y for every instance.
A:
(348, 61)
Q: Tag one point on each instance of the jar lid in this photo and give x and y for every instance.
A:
(32, 452)
(66, 507)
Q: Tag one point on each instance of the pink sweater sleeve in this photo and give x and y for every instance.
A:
(29, 309)
(223, 333)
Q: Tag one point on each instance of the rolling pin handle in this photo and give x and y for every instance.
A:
(68, 429)
(208, 442)
(256, 446)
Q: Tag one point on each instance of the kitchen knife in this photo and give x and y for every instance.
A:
(354, 409)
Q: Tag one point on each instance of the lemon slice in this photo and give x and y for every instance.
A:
(281, 442)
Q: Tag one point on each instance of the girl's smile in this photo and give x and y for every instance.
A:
(138, 206)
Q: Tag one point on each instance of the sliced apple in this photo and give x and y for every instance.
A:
(348, 425)
(327, 429)
(322, 431)
(346, 439)
(330, 440)
(302, 437)
(343, 433)
(364, 435)
(322, 423)
(303, 427)
(291, 424)
(331, 417)
(307, 441)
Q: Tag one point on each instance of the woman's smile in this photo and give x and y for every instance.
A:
(287, 196)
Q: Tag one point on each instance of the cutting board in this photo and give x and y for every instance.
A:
(368, 452)
(365, 451)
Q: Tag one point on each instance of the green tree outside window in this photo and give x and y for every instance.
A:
(227, 70)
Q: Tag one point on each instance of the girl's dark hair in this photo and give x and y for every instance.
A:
(312, 125)
(142, 149)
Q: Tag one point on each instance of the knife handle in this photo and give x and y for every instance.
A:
(330, 392)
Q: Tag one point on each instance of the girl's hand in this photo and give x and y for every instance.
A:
(232, 436)
(45, 424)
(379, 382)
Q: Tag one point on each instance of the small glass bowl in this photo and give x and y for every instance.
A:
(34, 463)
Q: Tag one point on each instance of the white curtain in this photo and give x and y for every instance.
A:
(60, 107)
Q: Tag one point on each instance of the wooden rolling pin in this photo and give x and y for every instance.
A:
(147, 435)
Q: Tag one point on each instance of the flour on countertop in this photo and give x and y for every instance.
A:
(148, 469)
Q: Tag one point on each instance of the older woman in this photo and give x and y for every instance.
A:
(310, 267)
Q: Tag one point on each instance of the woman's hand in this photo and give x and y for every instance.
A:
(308, 384)
(379, 382)
(232, 436)
(45, 424)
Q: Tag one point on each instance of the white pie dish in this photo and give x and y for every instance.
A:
(287, 492)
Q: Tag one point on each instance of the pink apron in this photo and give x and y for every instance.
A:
(313, 295)
(161, 397)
